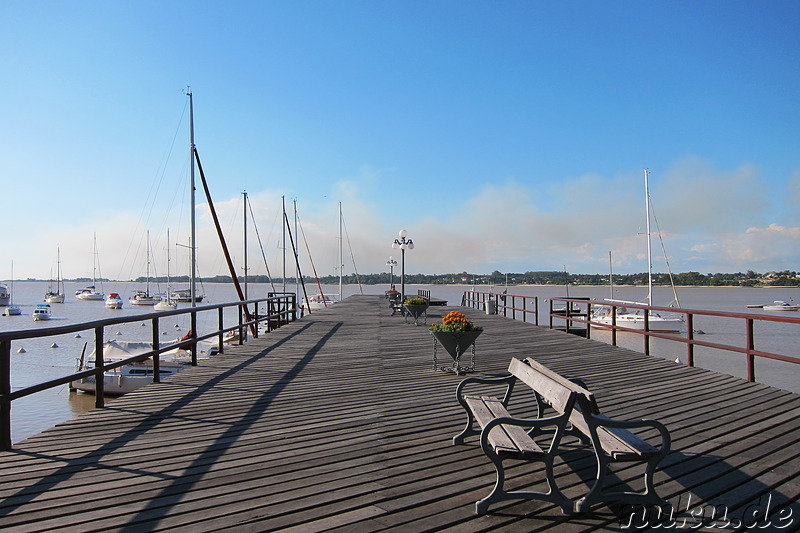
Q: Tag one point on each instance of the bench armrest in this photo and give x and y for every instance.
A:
(508, 380)
(603, 421)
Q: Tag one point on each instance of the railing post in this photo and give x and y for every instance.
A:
(99, 374)
(690, 338)
(751, 345)
(613, 325)
(536, 310)
(646, 332)
(5, 391)
(221, 324)
(156, 343)
(193, 325)
(241, 327)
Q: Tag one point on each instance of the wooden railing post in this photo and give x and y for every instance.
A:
(156, 343)
(99, 361)
(193, 325)
(221, 327)
(751, 345)
(5, 391)
(690, 338)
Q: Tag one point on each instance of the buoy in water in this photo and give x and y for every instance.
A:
(21, 350)
(678, 360)
(54, 345)
(77, 335)
(143, 324)
(119, 333)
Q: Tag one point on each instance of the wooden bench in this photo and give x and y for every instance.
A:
(612, 442)
(505, 437)
(611, 439)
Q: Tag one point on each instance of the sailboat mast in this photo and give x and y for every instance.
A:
(244, 198)
(341, 257)
(649, 244)
(192, 244)
(610, 275)
(147, 281)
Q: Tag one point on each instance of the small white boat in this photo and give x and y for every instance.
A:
(12, 310)
(113, 301)
(165, 305)
(89, 293)
(635, 320)
(319, 301)
(5, 296)
(185, 296)
(41, 312)
(143, 298)
(132, 376)
(780, 305)
(56, 296)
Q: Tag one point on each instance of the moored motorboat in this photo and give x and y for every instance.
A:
(41, 312)
(165, 304)
(113, 301)
(5, 296)
(134, 375)
(89, 293)
(780, 305)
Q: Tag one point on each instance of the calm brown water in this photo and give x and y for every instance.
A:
(41, 361)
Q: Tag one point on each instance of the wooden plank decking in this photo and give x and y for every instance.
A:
(338, 422)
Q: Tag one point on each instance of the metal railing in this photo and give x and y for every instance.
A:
(576, 315)
(280, 309)
(503, 304)
(581, 313)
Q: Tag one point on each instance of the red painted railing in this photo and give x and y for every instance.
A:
(576, 315)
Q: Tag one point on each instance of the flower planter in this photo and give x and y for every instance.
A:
(455, 343)
(415, 311)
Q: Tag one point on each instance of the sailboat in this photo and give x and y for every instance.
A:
(167, 304)
(144, 297)
(635, 319)
(319, 301)
(90, 292)
(11, 309)
(56, 296)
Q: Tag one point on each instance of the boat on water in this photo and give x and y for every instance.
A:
(780, 305)
(91, 292)
(131, 376)
(167, 304)
(56, 296)
(635, 319)
(185, 296)
(41, 312)
(143, 297)
(11, 309)
(5, 295)
(113, 301)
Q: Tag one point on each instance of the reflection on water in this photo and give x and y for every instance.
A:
(52, 357)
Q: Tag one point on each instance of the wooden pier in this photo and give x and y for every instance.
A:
(338, 422)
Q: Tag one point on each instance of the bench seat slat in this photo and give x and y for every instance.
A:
(617, 442)
(506, 439)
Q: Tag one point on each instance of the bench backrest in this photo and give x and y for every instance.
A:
(557, 391)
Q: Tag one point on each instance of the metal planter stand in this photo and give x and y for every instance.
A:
(455, 344)
(415, 311)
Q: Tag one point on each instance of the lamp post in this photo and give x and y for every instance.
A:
(403, 244)
(391, 263)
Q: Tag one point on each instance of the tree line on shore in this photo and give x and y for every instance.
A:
(750, 278)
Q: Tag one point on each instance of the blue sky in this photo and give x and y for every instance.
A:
(502, 135)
